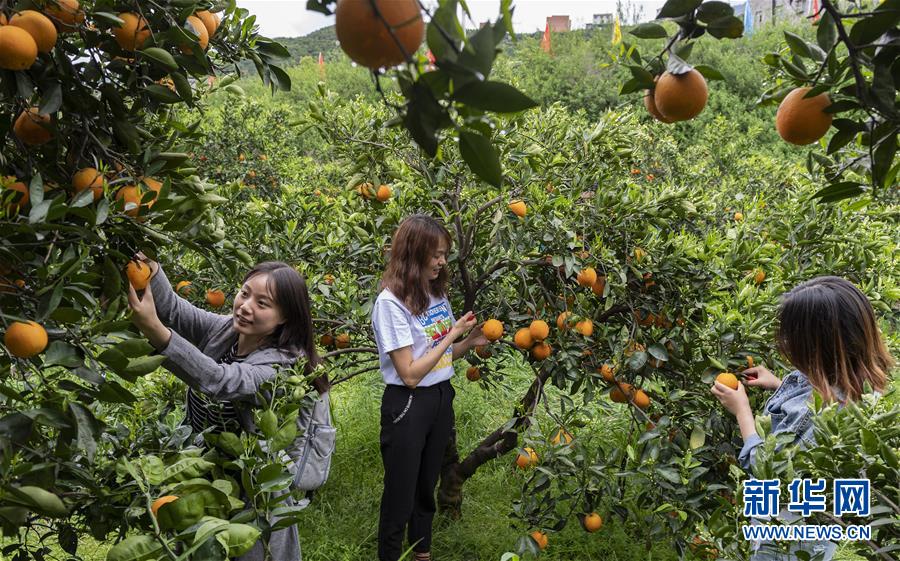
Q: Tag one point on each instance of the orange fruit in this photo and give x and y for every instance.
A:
(29, 126)
(38, 26)
(607, 373)
(473, 374)
(131, 199)
(200, 31)
(184, 287)
(523, 339)
(89, 178)
(650, 104)
(482, 351)
(585, 327)
(342, 341)
(641, 399)
(518, 208)
(66, 14)
(326, 340)
(759, 276)
(528, 459)
(25, 340)
(728, 379)
(367, 38)
(563, 322)
(749, 361)
(539, 330)
(621, 393)
(215, 298)
(587, 277)
(158, 503)
(153, 185)
(639, 254)
(132, 34)
(138, 274)
(17, 201)
(679, 97)
(3, 20)
(599, 287)
(540, 538)
(541, 351)
(592, 522)
(210, 22)
(492, 329)
(738, 216)
(560, 436)
(383, 193)
(18, 49)
(803, 121)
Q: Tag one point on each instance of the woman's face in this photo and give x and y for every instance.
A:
(437, 261)
(255, 311)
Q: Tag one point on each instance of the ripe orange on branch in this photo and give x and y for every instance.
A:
(802, 120)
(17, 202)
(728, 379)
(383, 194)
(25, 340)
(540, 538)
(183, 287)
(131, 199)
(133, 32)
(375, 40)
(158, 503)
(88, 178)
(342, 341)
(621, 393)
(523, 339)
(215, 298)
(563, 322)
(473, 374)
(492, 329)
(541, 351)
(200, 31)
(18, 49)
(680, 97)
(30, 126)
(585, 327)
(66, 14)
(592, 522)
(211, 22)
(650, 105)
(38, 26)
(561, 436)
(587, 277)
(138, 274)
(539, 330)
(518, 208)
(528, 459)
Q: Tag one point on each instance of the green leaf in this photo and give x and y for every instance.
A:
(238, 539)
(134, 548)
(61, 353)
(870, 28)
(709, 72)
(161, 57)
(729, 27)
(839, 191)
(37, 500)
(88, 429)
(649, 30)
(284, 437)
(797, 45)
(445, 19)
(187, 468)
(678, 8)
(826, 32)
(883, 158)
(272, 49)
(282, 80)
(494, 96)
(267, 422)
(162, 94)
(134, 348)
(698, 437)
(481, 157)
(144, 365)
(711, 11)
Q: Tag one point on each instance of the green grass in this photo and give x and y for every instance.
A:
(343, 518)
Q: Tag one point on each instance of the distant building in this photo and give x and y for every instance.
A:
(599, 20)
(559, 23)
(762, 12)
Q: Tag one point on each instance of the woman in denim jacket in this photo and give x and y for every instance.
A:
(827, 331)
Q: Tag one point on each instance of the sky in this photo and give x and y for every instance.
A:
(290, 18)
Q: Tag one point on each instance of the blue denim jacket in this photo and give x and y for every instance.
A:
(789, 409)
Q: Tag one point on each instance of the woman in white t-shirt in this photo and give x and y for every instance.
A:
(415, 332)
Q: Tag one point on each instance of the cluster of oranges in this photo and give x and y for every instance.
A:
(29, 33)
(368, 192)
(339, 341)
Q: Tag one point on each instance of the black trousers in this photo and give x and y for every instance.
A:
(415, 429)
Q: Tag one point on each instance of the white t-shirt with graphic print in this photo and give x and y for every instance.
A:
(396, 327)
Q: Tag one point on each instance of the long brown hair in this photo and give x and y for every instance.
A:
(827, 330)
(412, 247)
(292, 298)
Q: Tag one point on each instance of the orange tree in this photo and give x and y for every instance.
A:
(845, 79)
(96, 166)
(687, 263)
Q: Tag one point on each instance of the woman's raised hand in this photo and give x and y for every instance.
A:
(463, 324)
(760, 377)
(154, 266)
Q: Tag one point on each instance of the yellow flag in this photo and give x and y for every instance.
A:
(617, 32)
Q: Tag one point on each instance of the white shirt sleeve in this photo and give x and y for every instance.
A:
(391, 325)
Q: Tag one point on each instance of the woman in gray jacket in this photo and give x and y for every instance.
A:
(225, 358)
